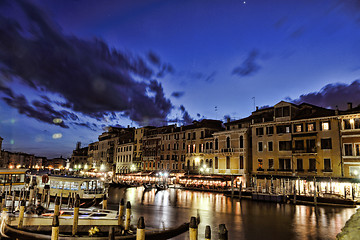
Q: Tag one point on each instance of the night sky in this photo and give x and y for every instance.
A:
(69, 69)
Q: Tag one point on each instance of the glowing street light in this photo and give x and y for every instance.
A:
(102, 167)
(133, 168)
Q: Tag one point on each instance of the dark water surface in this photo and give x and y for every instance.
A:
(244, 219)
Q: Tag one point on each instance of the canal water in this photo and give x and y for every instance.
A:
(244, 219)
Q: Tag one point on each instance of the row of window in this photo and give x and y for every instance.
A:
(173, 157)
(351, 149)
(124, 149)
(297, 128)
(285, 164)
(189, 136)
(353, 123)
(208, 145)
(308, 145)
(228, 163)
(124, 158)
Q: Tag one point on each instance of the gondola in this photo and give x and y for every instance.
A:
(148, 186)
(160, 187)
(30, 233)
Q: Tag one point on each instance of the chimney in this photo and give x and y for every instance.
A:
(349, 105)
(257, 108)
(228, 120)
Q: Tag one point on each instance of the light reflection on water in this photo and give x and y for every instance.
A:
(244, 220)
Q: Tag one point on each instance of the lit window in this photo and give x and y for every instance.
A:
(311, 127)
(298, 128)
(325, 126)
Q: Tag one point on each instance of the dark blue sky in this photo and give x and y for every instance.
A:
(92, 64)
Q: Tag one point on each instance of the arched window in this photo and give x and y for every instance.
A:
(216, 144)
(207, 162)
(228, 142)
(201, 162)
(216, 163)
(241, 141)
(211, 163)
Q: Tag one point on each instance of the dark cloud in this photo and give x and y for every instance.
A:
(248, 66)
(185, 119)
(165, 68)
(177, 94)
(332, 95)
(90, 126)
(38, 110)
(154, 59)
(92, 78)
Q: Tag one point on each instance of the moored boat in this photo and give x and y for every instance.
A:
(90, 190)
(8, 231)
(148, 186)
(161, 186)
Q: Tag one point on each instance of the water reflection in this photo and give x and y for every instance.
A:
(244, 220)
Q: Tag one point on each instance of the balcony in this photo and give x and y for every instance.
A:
(208, 151)
(227, 150)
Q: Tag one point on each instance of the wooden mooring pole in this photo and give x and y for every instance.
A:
(223, 232)
(128, 216)
(55, 228)
(193, 229)
(31, 195)
(57, 206)
(207, 233)
(104, 203)
(111, 233)
(76, 217)
(121, 212)
(140, 232)
(21, 214)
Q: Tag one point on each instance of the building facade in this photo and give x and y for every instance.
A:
(349, 122)
(232, 151)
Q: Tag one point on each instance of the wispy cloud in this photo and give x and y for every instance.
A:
(249, 66)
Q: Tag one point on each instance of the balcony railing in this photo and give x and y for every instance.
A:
(227, 150)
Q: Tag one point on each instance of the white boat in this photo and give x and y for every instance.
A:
(91, 190)
(13, 179)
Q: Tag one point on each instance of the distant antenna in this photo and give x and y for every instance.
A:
(254, 102)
